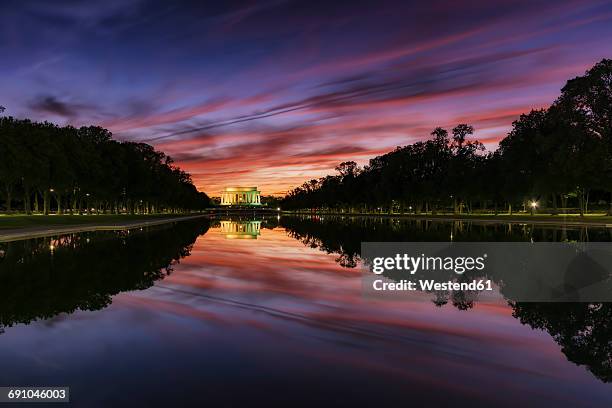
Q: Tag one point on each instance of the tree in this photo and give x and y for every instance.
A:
(585, 107)
(563, 152)
(70, 168)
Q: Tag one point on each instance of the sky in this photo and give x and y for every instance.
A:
(275, 93)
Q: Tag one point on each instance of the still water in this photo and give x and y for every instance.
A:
(235, 312)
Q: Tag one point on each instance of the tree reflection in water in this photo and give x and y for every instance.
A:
(41, 278)
(583, 330)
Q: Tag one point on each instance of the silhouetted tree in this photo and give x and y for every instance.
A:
(550, 155)
(74, 169)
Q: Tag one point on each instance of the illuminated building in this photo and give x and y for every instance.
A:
(241, 196)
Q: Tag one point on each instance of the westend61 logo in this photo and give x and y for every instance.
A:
(414, 264)
(519, 271)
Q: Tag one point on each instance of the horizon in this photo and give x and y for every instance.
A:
(275, 94)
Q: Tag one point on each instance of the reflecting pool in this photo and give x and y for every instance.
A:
(243, 310)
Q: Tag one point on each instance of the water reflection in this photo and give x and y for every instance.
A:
(253, 314)
(583, 330)
(343, 235)
(41, 278)
(241, 229)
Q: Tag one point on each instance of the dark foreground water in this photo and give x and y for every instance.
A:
(245, 312)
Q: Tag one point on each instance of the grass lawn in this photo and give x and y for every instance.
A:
(26, 221)
(547, 218)
(599, 218)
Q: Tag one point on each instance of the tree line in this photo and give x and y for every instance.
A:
(45, 167)
(555, 157)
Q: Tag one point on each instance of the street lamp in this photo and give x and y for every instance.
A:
(534, 205)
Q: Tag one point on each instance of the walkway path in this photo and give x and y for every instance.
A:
(44, 231)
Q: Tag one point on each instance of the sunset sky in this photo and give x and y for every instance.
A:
(274, 93)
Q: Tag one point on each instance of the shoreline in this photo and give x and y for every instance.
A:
(18, 234)
(552, 220)
(21, 233)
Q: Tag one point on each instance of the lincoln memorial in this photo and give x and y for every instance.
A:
(246, 196)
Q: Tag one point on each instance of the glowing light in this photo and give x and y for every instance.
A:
(533, 204)
(277, 208)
